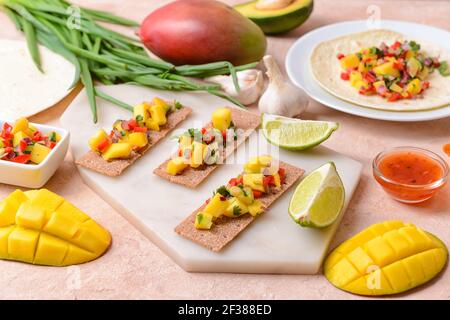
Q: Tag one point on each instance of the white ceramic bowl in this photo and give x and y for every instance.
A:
(35, 175)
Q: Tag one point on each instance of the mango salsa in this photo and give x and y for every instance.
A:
(24, 143)
(386, 258)
(176, 166)
(119, 150)
(394, 72)
(40, 227)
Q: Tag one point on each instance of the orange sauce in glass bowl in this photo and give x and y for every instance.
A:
(409, 174)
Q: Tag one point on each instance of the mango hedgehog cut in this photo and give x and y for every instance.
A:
(41, 227)
(386, 258)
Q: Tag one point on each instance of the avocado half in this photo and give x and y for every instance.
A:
(280, 20)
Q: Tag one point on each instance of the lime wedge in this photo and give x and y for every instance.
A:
(296, 134)
(319, 198)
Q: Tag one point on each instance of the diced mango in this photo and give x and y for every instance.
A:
(9, 207)
(355, 76)
(4, 236)
(257, 164)
(19, 136)
(97, 138)
(386, 69)
(138, 139)
(361, 85)
(92, 237)
(349, 61)
(30, 216)
(151, 124)
(236, 208)
(184, 141)
(203, 221)
(244, 194)
(198, 152)
(386, 258)
(277, 180)
(118, 151)
(141, 112)
(254, 181)
(39, 153)
(161, 103)
(21, 124)
(22, 243)
(221, 119)
(255, 208)
(176, 165)
(158, 114)
(414, 87)
(396, 88)
(50, 250)
(216, 205)
(378, 84)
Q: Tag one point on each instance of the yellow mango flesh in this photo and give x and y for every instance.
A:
(40, 227)
(39, 153)
(349, 61)
(138, 139)
(118, 150)
(176, 166)
(386, 258)
(221, 119)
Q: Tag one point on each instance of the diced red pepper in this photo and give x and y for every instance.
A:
(207, 201)
(257, 194)
(369, 77)
(132, 124)
(426, 85)
(22, 159)
(340, 56)
(37, 136)
(6, 128)
(282, 174)
(180, 153)
(398, 65)
(103, 145)
(8, 150)
(140, 129)
(268, 180)
(22, 145)
(345, 75)
(203, 130)
(367, 91)
(224, 135)
(51, 144)
(6, 143)
(394, 97)
(396, 45)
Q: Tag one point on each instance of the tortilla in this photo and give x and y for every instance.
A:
(225, 229)
(326, 70)
(95, 162)
(24, 90)
(192, 177)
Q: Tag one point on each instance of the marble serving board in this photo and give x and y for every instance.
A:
(273, 243)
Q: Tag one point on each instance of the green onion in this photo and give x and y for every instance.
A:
(103, 55)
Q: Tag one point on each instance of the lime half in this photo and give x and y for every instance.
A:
(296, 134)
(319, 198)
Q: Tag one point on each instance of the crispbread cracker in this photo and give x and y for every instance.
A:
(225, 229)
(95, 162)
(192, 177)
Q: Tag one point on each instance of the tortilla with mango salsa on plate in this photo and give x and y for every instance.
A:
(383, 69)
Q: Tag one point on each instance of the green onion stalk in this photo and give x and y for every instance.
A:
(101, 55)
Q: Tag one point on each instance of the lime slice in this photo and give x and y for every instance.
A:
(319, 198)
(296, 134)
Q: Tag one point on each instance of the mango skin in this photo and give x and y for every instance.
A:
(202, 31)
(40, 227)
(386, 258)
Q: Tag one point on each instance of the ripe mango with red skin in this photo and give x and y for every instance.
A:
(202, 31)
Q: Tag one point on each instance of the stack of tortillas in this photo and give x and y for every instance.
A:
(24, 90)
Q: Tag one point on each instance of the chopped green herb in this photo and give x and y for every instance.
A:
(414, 46)
(53, 136)
(177, 105)
(359, 55)
(123, 133)
(236, 211)
(444, 69)
(222, 190)
(139, 118)
(27, 152)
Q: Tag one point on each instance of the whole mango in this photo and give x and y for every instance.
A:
(40, 227)
(202, 31)
(386, 258)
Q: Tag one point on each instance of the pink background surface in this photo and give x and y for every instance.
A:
(134, 268)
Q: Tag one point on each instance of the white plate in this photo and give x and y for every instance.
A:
(24, 90)
(297, 66)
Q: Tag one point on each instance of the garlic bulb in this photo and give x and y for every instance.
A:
(251, 83)
(281, 97)
(272, 4)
